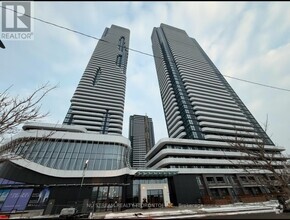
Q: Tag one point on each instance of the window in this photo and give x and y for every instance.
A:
(198, 181)
(235, 179)
(119, 60)
(103, 164)
(238, 191)
(109, 164)
(97, 165)
(251, 178)
(220, 179)
(114, 166)
(115, 193)
(214, 193)
(224, 192)
(243, 179)
(95, 148)
(105, 123)
(256, 190)
(210, 180)
(228, 179)
(102, 194)
(248, 191)
(97, 76)
(121, 44)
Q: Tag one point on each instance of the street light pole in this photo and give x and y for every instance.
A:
(83, 176)
(85, 167)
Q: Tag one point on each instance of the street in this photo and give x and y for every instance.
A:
(265, 215)
(272, 215)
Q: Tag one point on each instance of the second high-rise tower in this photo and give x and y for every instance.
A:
(198, 102)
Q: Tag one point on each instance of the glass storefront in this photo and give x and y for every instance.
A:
(107, 198)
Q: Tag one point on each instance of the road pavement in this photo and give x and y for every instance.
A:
(285, 215)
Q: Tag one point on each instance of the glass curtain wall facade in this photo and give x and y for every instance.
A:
(71, 154)
(141, 135)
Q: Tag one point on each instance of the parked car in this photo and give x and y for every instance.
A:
(67, 212)
(72, 213)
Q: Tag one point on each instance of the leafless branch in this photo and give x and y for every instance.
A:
(11, 149)
(15, 111)
(258, 156)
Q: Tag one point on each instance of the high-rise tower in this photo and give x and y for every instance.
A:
(141, 135)
(206, 121)
(98, 102)
(84, 157)
(198, 102)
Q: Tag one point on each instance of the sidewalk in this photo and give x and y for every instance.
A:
(191, 211)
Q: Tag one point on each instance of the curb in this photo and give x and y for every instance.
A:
(185, 214)
(216, 214)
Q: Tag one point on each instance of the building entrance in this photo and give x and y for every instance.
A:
(155, 198)
(155, 195)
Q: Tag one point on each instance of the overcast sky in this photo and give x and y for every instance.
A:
(247, 40)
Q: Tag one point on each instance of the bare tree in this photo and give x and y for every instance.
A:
(15, 111)
(268, 165)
